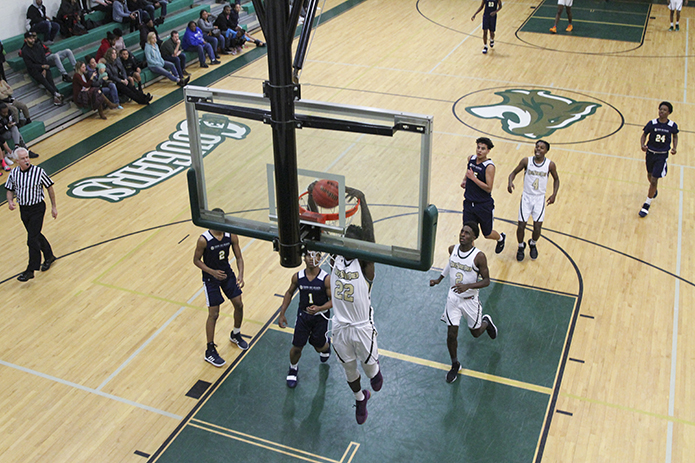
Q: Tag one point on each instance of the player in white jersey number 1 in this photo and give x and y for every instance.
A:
(468, 272)
(533, 202)
(354, 334)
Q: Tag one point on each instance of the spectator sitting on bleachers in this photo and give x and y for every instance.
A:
(233, 39)
(34, 56)
(86, 93)
(156, 63)
(143, 7)
(108, 88)
(235, 19)
(105, 6)
(9, 130)
(70, 17)
(56, 59)
(193, 41)
(15, 105)
(131, 68)
(119, 44)
(212, 33)
(121, 14)
(106, 43)
(40, 23)
(145, 29)
(171, 51)
(117, 75)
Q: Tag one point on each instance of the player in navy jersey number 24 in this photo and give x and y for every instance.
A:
(656, 142)
(212, 257)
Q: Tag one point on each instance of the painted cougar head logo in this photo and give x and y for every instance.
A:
(534, 114)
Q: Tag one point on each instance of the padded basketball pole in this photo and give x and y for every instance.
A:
(281, 91)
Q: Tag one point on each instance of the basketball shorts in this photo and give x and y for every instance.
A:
(482, 213)
(311, 328)
(489, 23)
(567, 3)
(675, 5)
(214, 289)
(458, 307)
(355, 343)
(656, 164)
(532, 207)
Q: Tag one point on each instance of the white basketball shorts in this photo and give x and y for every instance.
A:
(675, 5)
(355, 343)
(457, 307)
(567, 3)
(532, 207)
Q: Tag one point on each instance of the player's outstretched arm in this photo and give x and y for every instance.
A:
(556, 182)
(523, 164)
(446, 270)
(286, 299)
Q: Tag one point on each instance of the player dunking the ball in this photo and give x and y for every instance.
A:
(478, 205)
(354, 334)
(537, 168)
(312, 315)
(660, 132)
(491, 7)
(468, 272)
(212, 257)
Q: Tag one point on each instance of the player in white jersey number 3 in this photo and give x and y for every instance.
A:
(468, 272)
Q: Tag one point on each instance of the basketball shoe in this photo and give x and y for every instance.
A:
(453, 373)
(569, 28)
(553, 30)
(361, 408)
(520, 252)
(500, 244)
(645, 210)
(491, 328)
(238, 340)
(533, 250)
(211, 356)
(292, 377)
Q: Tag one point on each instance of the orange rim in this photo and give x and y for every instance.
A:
(332, 216)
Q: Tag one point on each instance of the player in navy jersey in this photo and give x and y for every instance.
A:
(212, 257)
(491, 7)
(312, 315)
(656, 142)
(478, 205)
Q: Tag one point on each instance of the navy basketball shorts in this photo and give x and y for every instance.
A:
(482, 213)
(214, 289)
(489, 23)
(656, 164)
(310, 328)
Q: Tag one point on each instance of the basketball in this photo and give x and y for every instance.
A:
(325, 193)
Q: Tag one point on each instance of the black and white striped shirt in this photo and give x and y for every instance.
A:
(28, 184)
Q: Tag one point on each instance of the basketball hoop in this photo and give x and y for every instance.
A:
(322, 217)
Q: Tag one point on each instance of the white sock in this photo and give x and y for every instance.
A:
(521, 245)
(648, 201)
(294, 366)
(359, 396)
(531, 242)
(236, 330)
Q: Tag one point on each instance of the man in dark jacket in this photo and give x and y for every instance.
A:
(39, 22)
(34, 56)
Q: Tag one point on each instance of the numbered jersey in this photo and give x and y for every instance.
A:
(311, 292)
(350, 292)
(461, 269)
(536, 177)
(216, 254)
(660, 134)
(473, 192)
(490, 6)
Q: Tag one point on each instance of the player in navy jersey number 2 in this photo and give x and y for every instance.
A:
(491, 7)
(478, 205)
(314, 310)
(656, 142)
(212, 257)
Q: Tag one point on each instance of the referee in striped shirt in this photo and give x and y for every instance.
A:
(26, 184)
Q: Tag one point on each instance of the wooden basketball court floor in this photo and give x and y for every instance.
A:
(97, 355)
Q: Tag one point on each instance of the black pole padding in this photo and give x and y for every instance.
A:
(281, 91)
